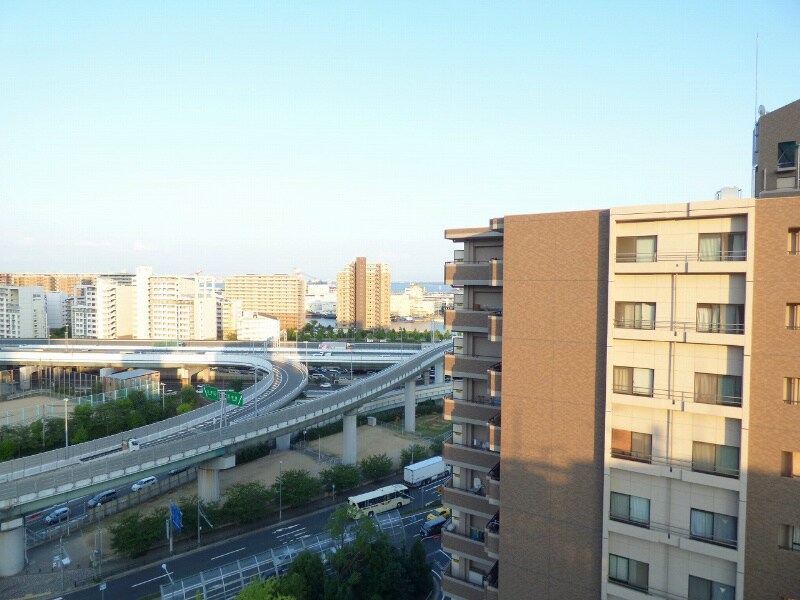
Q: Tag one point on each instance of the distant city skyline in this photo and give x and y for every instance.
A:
(264, 137)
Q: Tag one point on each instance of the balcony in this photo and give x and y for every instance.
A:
(493, 486)
(470, 457)
(468, 547)
(496, 328)
(459, 588)
(492, 538)
(475, 321)
(475, 411)
(487, 272)
(692, 261)
(496, 380)
(494, 433)
(492, 583)
(473, 502)
(474, 367)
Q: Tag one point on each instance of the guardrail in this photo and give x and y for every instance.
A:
(32, 485)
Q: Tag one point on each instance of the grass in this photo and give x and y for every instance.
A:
(432, 425)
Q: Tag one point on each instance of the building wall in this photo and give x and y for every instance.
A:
(23, 313)
(363, 292)
(781, 125)
(772, 501)
(49, 282)
(554, 297)
(279, 296)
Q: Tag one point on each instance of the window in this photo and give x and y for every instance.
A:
(715, 459)
(631, 445)
(786, 154)
(720, 318)
(713, 527)
(633, 381)
(636, 249)
(791, 390)
(791, 537)
(705, 589)
(627, 571)
(722, 246)
(710, 388)
(794, 240)
(790, 464)
(635, 315)
(793, 316)
(630, 509)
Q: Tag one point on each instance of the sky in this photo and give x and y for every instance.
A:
(263, 137)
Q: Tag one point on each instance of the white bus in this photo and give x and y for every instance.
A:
(380, 500)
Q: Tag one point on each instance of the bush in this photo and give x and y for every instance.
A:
(134, 534)
(413, 454)
(299, 487)
(247, 502)
(344, 477)
(376, 466)
(250, 453)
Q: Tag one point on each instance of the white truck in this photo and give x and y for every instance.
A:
(424, 471)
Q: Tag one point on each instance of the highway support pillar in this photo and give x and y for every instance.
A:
(411, 406)
(25, 377)
(349, 439)
(438, 371)
(284, 442)
(185, 374)
(208, 477)
(12, 547)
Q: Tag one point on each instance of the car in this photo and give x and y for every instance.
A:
(102, 498)
(58, 515)
(325, 384)
(178, 470)
(143, 483)
(433, 527)
(442, 511)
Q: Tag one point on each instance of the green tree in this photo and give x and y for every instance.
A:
(134, 534)
(263, 590)
(344, 477)
(414, 453)
(340, 522)
(247, 502)
(376, 466)
(237, 385)
(298, 487)
(418, 571)
(183, 408)
(309, 568)
(436, 448)
(189, 395)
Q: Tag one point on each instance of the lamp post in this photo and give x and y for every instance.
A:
(164, 566)
(66, 423)
(319, 445)
(280, 491)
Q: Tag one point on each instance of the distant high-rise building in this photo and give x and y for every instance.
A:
(776, 168)
(279, 296)
(363, 292)
(49, 282)
(23, 313)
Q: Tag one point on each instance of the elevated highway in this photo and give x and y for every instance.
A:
(199, 437)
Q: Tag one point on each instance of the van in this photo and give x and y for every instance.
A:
(143, 483)
(102, 498)
(432, 527)
(57, 515)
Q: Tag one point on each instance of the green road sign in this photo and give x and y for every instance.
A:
(234, 398)
(210, 393)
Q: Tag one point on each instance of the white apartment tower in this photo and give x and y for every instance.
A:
(23, 313)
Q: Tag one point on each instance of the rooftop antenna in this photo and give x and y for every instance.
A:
(755, 106)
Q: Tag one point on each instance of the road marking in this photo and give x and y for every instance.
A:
(227, 553)
(150, 580)
(286, 528)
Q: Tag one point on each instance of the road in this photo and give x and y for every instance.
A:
(147, 581)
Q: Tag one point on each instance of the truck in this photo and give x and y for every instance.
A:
(425, 471)
(129, 445)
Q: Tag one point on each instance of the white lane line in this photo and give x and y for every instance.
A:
(149, 580)
(228, 553)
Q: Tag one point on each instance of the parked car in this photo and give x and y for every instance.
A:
(325, 384)
(433, 527)
(442, 511)
(58, 515)
(102, 498)
(143, 483)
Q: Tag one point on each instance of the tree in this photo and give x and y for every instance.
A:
(247, 502)
(231, 336)
(189, 395)
(263, 590)
(236, 385)
(344, 477)
(339, 523)
(134, 534)
(376, 466)
(418, 570)
(309, 568)
(298, 487)
(414, 453)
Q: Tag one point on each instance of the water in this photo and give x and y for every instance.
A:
(423, 325)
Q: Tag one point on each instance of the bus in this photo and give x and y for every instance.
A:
(380, 500)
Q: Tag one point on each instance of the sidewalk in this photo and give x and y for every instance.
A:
(40, 579)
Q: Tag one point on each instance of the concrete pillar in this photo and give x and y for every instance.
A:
(284, 442)
(426, 377)
(185, 374)
(207, 375)
(12, 547)
(411, 406)
(25, 377)
(438, 373)
(208, 477)
(349, 438)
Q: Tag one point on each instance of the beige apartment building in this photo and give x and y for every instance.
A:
(645, 363)
(363, 292)
(279, 296)
(49, 282)
(776, 168)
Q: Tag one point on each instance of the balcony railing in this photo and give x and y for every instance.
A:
(677, 395)
(676, 531)
(488, 272)
(471, 457)
(467, 320)
(468, 410)
(476, 367)
(677, 463)
(683, 326)
(634, 323)
(692, 256)
(473, 500)
(461, 588)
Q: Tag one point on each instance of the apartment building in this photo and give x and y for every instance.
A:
(49, 282)
(644, 361)
(23, 313)
(776, 166)
(363, 292)
(279, 296)
(103, 310)
(58, 309)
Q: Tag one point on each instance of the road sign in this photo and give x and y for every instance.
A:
(210, 393)
(103, 586)
(176, 516)
(234, 398)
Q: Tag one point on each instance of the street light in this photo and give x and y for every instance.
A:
(164, 566)
(66, 423)
(280, 491)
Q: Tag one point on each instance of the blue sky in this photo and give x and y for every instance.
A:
(260, 137)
